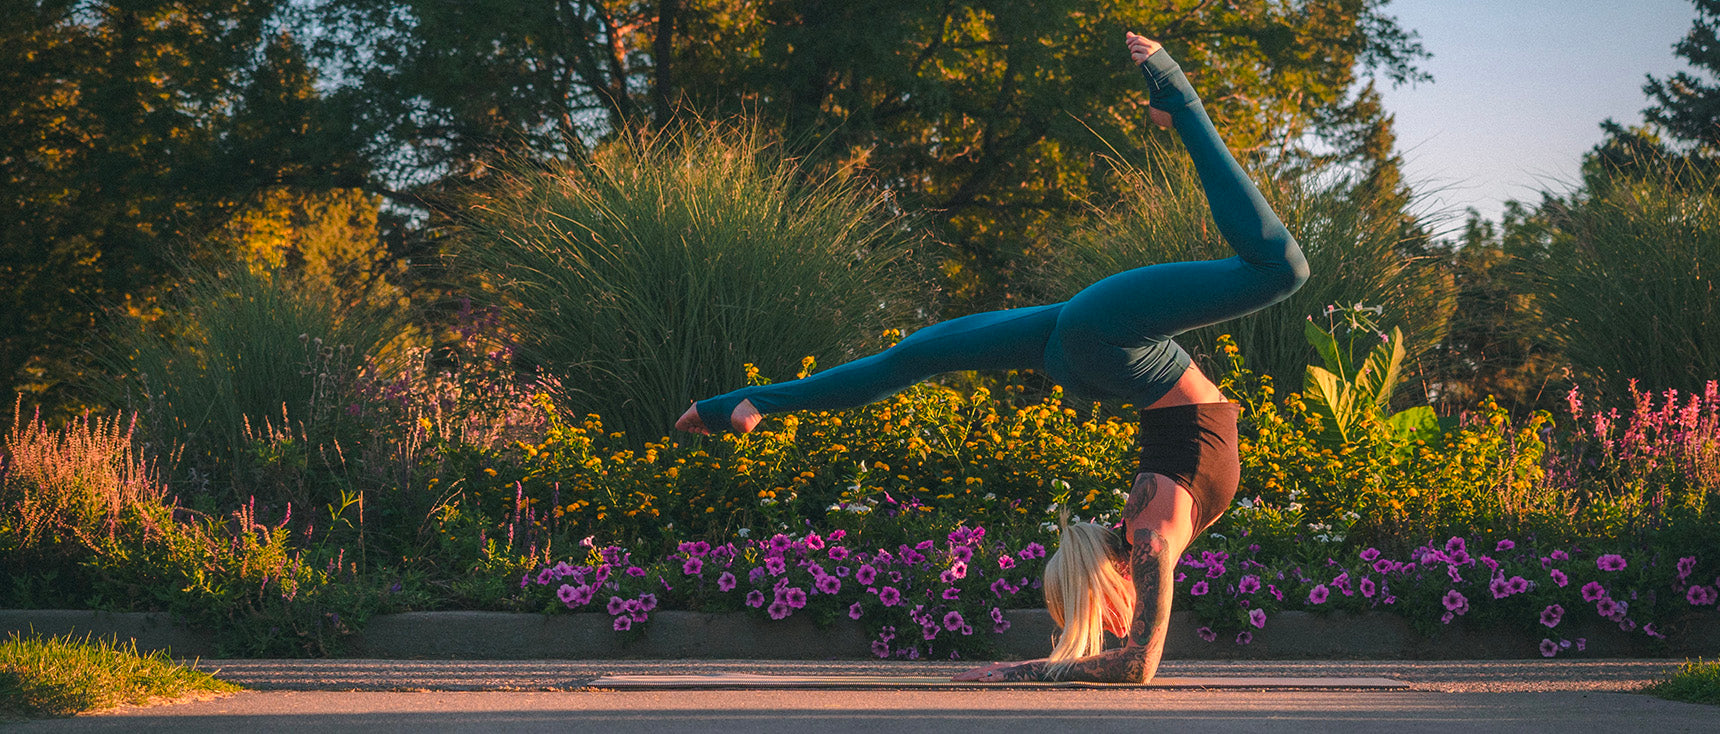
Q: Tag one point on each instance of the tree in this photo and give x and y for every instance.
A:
(1687, 106)
(136, 128)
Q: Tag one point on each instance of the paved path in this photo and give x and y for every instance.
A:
(434, 696)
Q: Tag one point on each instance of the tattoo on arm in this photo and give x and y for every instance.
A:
(1142, 494)
(1152, 566)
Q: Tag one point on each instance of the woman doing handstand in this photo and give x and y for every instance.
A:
(1112, 341)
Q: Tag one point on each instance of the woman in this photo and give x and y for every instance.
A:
(1112, 341)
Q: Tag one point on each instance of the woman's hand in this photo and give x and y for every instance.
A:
(1141, 47)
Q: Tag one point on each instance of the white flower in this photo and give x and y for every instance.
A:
(1245, 503)
(1293, 506)
(744, 532)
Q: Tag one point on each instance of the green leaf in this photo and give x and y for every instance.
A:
(1327, 346)
(1333, 399)
(1380, 372)
(1413, 423)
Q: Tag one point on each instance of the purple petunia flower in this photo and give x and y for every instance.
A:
(1455, 602)
(1648, 629)
(566, 593)
(635, 572)
(962, 553)
(1686, 565)
(828, 584)
(1504, 545)
(727, 582)
(1701, 596)
(1198, 589)
(545, 576)
(1518, 584)
(1611, 609)
(881, 648)
(1257, 617)
(1207, 634)
(1006, 561)
(1551, 615)
(866, 574)
(1549, 648)
(622, 624)
(1385, 565)
(952, 594)
(1593, 591)
(1610, 562)
(838, 553)
(780, 543)
(647, 602)
(616, 605)
(1559, 555)
(813, 542)
(890, 596)
(1452, 572)
(1248, 585)
(1318, 594)
(1460, 558)
(778, 610)
(1032, 551)
(1370, 555)
(1244, 637)
(756, 574)
(755, 598)
(775, 565)
(953, 621)
(1455, 545)
(1559, 578)
(1446, 618)
(854, 611)
(1367, 587)
(692, 567)
(1273, 590)
(795, 597)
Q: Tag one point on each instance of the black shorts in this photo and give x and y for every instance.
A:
(1194, 445)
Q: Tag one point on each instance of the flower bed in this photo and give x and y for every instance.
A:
(940, 599)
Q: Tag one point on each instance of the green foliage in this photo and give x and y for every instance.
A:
(1355, 249)
(63, 676)
(1624, 278)
(1686, 105)
(135, 129)
(645, 275)
(1351, 396)
(243, 359)
(1697, 681)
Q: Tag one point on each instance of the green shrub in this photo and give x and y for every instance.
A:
(240, 357)
(1697, 681)
(60, 676)
(1355, 251)
(646, 274)
(1626, 280)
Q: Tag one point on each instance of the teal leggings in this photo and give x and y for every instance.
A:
(1112, 341)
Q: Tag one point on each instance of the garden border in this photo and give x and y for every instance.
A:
(471, 635)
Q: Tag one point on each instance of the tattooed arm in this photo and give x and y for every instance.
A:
(1152, 565)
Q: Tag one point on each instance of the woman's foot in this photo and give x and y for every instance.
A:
(743, 420)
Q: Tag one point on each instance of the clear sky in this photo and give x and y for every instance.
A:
(1519, 90)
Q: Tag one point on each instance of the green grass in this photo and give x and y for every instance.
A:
(61, 676)
(1697, 681)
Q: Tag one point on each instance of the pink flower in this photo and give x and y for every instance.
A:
(828, 584)
(1504, 545)
(1701, 596)
(1446, 618)
(890, 596)
(1257, 617)
(692, 567)
(1593, 591)
(854, 611)
(1198, 589)
(813, 542)
(795, 597)
(622, 624)
(616, 605)
(1610, 562)
(727, 582)
(755, 598)
(1367, 586)
(952, 594)
(1318, 594)
(1455, 602)
(962, 553)
(1207, 634)
(838, 553)
(1559, 555)
(866, 574)
(1559, 578)
(1686, 565)
(953, 621)
(1549, 648)
(1370, 555)
(1006, 562)
(1249, 584)
(778, 610)
(1612, 609)
(1244, 637)
(566, 593)
(775, 565)
(1551, 615)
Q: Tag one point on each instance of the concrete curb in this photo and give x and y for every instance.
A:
(696, 635)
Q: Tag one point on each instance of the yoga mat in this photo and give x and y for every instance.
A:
(754, 680)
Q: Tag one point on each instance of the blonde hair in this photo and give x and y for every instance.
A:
(1085, 593)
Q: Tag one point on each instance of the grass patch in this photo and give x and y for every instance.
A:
(1696, 681)
(60, 676)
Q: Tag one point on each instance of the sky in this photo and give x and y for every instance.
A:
(1519, 90)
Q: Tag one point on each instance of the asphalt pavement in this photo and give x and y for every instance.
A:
(377, 696)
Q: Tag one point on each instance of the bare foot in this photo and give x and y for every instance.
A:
(744, 419)
(1141, 47)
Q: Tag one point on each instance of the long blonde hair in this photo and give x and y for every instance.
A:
(1085, 592)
